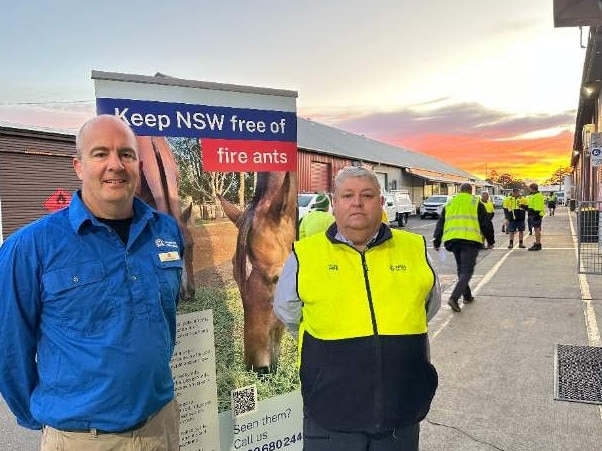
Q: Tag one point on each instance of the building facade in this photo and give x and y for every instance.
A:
(36, 175)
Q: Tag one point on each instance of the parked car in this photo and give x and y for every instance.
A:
(307, 202)
(561, 200)
(498, 200)
(433, 205)
(389, 207)
(398, 206)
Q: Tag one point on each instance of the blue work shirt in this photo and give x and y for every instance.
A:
(87, 323)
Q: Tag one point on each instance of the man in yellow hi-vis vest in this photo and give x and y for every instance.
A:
(536, 211)
(459, 228)
(486, 201)
(318, 219)
(359, 297)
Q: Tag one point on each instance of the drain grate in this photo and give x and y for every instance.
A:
(578, 374)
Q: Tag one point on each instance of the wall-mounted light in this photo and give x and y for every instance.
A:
(591, 89)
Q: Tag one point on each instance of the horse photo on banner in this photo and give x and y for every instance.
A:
(221, 159)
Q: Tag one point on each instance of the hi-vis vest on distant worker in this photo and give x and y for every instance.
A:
(462, 219)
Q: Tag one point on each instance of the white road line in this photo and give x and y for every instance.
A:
(484, 280)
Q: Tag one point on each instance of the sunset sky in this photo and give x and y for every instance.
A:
(481, 84)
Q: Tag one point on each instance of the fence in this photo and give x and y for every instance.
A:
(589, 237)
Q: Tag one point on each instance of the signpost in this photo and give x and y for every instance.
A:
(596, 149)
(596, 156)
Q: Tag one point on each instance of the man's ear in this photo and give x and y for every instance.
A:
(77, 165)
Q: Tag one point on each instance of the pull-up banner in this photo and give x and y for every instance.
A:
(229, 152)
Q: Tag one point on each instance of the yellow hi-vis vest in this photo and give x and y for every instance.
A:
(536, 204)
(337, 284)
(462, 219)
(489, 206)
(362, 339)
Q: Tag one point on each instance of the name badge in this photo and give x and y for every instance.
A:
(169, 256)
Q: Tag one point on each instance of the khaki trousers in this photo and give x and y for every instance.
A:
(160, 433)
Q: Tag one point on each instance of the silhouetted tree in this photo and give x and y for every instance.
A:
(557, 177)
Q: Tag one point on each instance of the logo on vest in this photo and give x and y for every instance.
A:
(399, 267)
(333, 267)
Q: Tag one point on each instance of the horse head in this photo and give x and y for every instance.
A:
(266, 231)
(159, 186)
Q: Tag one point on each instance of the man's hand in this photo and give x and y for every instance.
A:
(490, 246)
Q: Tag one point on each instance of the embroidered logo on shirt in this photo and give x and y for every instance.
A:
(163, 243)
(399, 267)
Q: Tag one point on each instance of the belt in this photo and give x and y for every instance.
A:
(100, 431)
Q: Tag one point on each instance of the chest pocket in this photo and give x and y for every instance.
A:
(78, 297)
(170, 275)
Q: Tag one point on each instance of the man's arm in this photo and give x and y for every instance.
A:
(19, 310)
(485, 224)
(438, 234)
(433, 301)
(287, 305)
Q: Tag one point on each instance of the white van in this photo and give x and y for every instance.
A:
(398, 206)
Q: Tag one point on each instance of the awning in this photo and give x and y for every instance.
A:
(437, 176)
(577, 13)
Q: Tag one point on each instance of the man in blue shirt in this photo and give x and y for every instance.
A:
(88, 308)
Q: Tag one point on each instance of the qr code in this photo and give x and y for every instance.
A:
(244, 400)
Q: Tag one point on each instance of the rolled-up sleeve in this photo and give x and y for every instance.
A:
(287, 305)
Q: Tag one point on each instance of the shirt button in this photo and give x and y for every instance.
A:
(75, 279)
(133, 278)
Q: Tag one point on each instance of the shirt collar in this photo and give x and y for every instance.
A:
(80, 216)
(382, 234)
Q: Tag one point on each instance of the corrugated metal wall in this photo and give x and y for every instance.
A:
(315, 172)
(31, 170)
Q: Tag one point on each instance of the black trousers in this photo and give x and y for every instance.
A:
(466, 259)
(316, 438)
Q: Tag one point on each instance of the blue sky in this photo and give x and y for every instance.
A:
(374, 67)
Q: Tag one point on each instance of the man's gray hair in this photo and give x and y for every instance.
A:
(355, 171)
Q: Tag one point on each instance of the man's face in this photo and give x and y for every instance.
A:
(357, 205)
(108, 168)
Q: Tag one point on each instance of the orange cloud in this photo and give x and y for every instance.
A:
(470, 136)
(535, 159)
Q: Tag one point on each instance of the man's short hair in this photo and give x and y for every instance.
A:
(466, 188)
(82, 130)
(355, 171)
